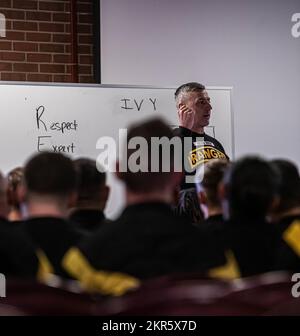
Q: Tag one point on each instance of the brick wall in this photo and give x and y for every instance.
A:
(37, 46)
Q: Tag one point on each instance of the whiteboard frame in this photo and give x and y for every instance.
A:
(229, 88)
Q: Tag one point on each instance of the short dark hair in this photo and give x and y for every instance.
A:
(148, 181)
(188, 87)
(251, 185)
(214, 171)
(289, 188)
(90, 180)
(50, 173)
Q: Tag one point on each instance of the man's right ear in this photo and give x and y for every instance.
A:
(222, 191)
(21, 193)
(202, 197)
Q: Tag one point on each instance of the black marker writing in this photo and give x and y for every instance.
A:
(126, 107)
(138, 106)
(39, 112)
(40, 144)
(153, 102)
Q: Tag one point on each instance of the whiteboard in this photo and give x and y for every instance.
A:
(71, 119)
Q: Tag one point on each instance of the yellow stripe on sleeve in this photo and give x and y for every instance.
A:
(229, 271)
(92, 280)
(292, 236)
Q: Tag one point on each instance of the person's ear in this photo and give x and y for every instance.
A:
(274, 205)
(21, 193)
(202, 197)
(72, 201)
(222, 191)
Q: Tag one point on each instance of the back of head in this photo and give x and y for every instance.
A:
(214, 171)
(15, 179)
(141, 177)
(3, 201)
(184, 89)
(50, 174)
(251, 185)
(90, 181)
(289, 188)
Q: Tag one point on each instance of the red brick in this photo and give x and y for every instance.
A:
(25, 46)
(38, 16)
(39, 77)
(85, 69)
(5, 45)
(54, 48)
(12, 56)
(67, 7)
(38, 37)
(52, 68)
(15, 36)
(62, 78)
(84, 49)
(13, 76)
(8, 24)
(86, 59)
(61, 38)
(12, 14)
(24, 4)
(6, 3)
(52, 6)
(85, 7)
(22, 25)
(51, 27)
(5, 66)
(25, 67)
(61, 17)
(86, 79)
(85, 39)
(62, 58)
(85, 18)
(84, 29)
(39, 58)
(69, 68)
(67, 48)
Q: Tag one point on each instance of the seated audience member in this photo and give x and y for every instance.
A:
(92, 195)
(187, 206)
(249, 190)
(15, 179)
(50, 184)
(147, 240)
(286, 216)
(17, 253)
(208, 194)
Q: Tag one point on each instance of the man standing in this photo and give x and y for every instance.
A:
(194, 111)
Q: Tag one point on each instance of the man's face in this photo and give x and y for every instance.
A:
(199, 102)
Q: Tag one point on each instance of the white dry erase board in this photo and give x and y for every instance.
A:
(32, 116)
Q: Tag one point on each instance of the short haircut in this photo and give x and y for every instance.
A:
(90, 180)
(2, 185)
(214, 171)
(15, 178)
(50, 174)
(289, 188)
(251, 185)
(182, 90)
(148, 181)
